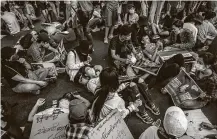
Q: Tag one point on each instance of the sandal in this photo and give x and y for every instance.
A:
(155, 110)
(144, 117)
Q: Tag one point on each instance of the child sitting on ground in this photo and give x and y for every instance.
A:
(151, 49)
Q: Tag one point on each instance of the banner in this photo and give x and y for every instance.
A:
(195, 118)
(111, 127)
(49, 124)
(182, 88)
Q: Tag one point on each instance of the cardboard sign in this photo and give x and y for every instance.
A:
(112, 127)
(182, 88)
(165, 55)
(195, 118)
(47, 125)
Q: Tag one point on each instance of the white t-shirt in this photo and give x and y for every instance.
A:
(11, 22)
(150, 133)
(192, 28)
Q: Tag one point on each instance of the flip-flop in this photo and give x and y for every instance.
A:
(145, 118)
(156, 111)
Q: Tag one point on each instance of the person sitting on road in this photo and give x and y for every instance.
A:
(19, 75)
(36, 51)
(78, 65)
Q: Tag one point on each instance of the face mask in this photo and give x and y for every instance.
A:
(132, 11)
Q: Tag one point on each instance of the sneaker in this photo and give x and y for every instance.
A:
(95, 29)
(157, 123)
(106, 40)
(144, 117)
(155, 110)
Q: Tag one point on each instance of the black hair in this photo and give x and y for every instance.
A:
(208, 58)
(26, 41)
(190, 18)
(109, 83)
(124, 30)
(209, 15)
(178, 23)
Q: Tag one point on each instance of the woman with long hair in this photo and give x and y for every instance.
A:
(108, 98)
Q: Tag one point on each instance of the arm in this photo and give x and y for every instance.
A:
(20, 78)
(71, 62)
(212, 30)
(39, 103)
(116, 57)
(25, 63)
(125, 19)
(151, 57)
(87, 103)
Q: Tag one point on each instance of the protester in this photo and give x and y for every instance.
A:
(131, 17)
(15, 73)
(36, 51)
(79, 127)
(175, 125)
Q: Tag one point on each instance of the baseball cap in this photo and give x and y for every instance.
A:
(77, 109)
(175, 122)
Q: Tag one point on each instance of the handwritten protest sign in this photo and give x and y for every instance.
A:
(112, 127)
(182, 88)
(49, 125)
(195, 117)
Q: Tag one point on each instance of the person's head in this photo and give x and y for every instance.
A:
(77, 111)
(198, 19)
(109, 79)
(9, 54)
(63, 103)
(177, 25)
(43, 39)
(145, 39)
(34, 35)
(85, 47)
(208, 58)
(175, 122)
(209, 15)
(131, 9)
(125, 33)
(173, 12)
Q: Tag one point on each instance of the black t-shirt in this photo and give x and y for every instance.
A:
(121, 48)
(11, 69)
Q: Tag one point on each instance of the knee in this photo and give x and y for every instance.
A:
(132, 84)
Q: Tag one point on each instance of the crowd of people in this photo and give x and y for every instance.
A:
(136, 32)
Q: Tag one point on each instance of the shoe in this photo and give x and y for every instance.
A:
(95, 29)
(157, 123)
(110, 37)
(155, 110)
(144, 117)
(105, 40)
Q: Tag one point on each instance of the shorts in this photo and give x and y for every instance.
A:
(111, 17)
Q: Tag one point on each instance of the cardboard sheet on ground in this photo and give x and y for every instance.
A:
(195, 118)
(165, 55)
(182, 80)
(112, 127)
(49, 124)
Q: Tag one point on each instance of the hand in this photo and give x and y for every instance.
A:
(127, 61)
(137, 103)
(89, 59)
(42, 83)
(86, 63)
(207, 126)
(21, 60)
(40, 102)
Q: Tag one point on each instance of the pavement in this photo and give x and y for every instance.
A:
(25, 102)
